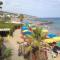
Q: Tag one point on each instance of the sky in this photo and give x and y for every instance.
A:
(39, 8)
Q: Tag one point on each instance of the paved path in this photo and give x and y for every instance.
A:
(13, 44)
(17, 35)
(58, 57)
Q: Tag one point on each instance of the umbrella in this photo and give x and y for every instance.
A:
(27, 32)
(57, 38)
(58, 44)
(44, 30)
(51, 35)
(50, 40)
(24, 28)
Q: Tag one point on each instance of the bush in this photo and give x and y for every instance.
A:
(7, 53)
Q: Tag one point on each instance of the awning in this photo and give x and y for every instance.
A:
(5, 29)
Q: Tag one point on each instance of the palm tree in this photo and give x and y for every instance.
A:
(21, 17)
(39, 36)
(1, 3)
(36, 38)
(38, 33)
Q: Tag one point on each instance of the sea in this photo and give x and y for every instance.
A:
(54, 27)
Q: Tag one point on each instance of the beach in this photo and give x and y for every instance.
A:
(12, 41)
(55, 26)
(52, 28)
(30, 30)
(13, 45)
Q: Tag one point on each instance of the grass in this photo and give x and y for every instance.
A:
(11, 26)
(7, 25)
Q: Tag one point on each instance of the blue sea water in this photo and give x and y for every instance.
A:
(55, 27)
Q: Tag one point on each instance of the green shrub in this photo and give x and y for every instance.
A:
(7, 53)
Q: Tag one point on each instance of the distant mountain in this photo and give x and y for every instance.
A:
(16, 14)
(27, 17)
(4, 12)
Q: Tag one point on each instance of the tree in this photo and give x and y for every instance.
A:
(1, 41)
(7, 18)
(21, 17)
(1, 3)
(7, 53)
(38, 33)
(39, 36)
